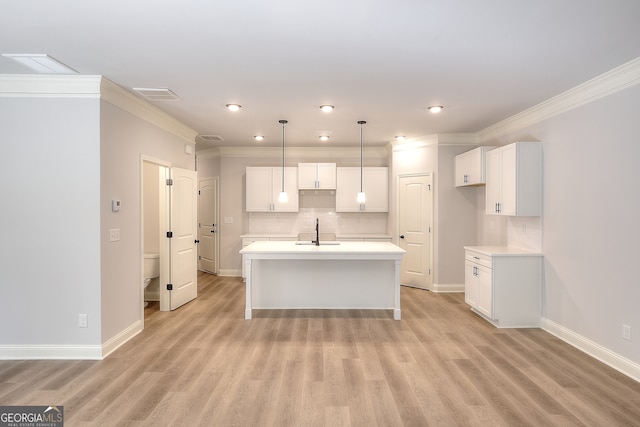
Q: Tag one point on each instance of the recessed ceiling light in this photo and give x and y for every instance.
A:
(435, 108)
(233, 107)
(327, 108)
(258, 137)
(324, 137)
(400, 137)
(41, 63)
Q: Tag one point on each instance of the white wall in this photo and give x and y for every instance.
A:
(50, 247)
(68, 153)
(591, 219)
(125, 138)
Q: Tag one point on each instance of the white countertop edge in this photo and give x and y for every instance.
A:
(295, 236)
(345, 250)
(502, 251)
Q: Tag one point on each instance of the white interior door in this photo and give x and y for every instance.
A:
(183, 226)
(414, 227)
(208, 225)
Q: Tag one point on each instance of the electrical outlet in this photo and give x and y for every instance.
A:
(626, 332)
(82, 320)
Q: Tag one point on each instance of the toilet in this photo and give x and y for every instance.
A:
(151, 268)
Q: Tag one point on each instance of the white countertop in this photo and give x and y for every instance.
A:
(295, 236)
(344, 250)
(502, 251)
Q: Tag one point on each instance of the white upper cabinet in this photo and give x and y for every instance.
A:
(470, 167)
(514, 175)
(263, 186)
(316, 176)
(375, 184)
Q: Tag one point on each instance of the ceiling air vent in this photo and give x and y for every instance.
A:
(157, 94)
(210, 138)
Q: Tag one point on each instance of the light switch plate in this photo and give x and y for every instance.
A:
(114, 234)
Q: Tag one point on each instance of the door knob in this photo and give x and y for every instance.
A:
(196, 241)
(402, 236)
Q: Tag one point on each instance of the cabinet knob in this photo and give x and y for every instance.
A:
(402, 236)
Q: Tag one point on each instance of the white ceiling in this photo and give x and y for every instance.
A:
(383, 61)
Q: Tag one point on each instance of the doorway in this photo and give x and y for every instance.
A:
(169, 228)
(208, 225)
(415, 217)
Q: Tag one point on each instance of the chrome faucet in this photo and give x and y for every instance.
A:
(317, 241)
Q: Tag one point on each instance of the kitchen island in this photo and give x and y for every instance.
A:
(333, 275)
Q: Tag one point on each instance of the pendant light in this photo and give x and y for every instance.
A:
(361, 196)
(283, 198)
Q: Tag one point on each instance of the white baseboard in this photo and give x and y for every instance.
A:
(230, 273)
(112, 344)
(447, 288)
(50, 352)
(603, 354)
(69, 352)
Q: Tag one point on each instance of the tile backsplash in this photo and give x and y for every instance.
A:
(304, 221)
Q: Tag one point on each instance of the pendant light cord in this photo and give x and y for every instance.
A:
(283, 122)
(361, 122)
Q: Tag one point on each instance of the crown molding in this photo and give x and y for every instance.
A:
(95, 87)
(49, 86)
(613, 81)
(122, 98)
(333, 152)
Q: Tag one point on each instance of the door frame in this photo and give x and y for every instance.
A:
(217, 212)
(162, 227)
(433, 230)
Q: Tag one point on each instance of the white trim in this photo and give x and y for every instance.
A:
(610, 82)
(114, 343)
(230, 273)
(333, 152)
(49, 86)
(120, 97)
(50, 352)
(595, 350)
(447, 288)
(84, 86)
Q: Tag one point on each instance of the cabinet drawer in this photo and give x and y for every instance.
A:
(478, 258)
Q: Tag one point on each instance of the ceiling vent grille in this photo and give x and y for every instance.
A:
(210, 138)
(157, 94)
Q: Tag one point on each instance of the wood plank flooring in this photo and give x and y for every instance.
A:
(204, 365)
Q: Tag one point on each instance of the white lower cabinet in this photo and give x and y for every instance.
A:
(503, 285)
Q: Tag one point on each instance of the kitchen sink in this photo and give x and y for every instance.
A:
(327, 243)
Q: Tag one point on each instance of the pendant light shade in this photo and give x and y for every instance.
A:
(361, 198)
(283, 197)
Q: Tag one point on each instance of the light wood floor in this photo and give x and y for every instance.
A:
(204, 365)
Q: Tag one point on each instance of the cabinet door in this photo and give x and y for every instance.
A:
(508, 179)
(492, 160)
(348, 186)
(307, 176)
(326, 176)
(376, 188)
(467, 168)
(485, 291)
(290, 186)
(471, 284)
(259, 189)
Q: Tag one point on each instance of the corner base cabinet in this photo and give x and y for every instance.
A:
(503, 285)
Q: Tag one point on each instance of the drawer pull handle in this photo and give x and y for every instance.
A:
(475, 257)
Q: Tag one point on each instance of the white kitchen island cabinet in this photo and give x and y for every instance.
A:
(336, 275)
